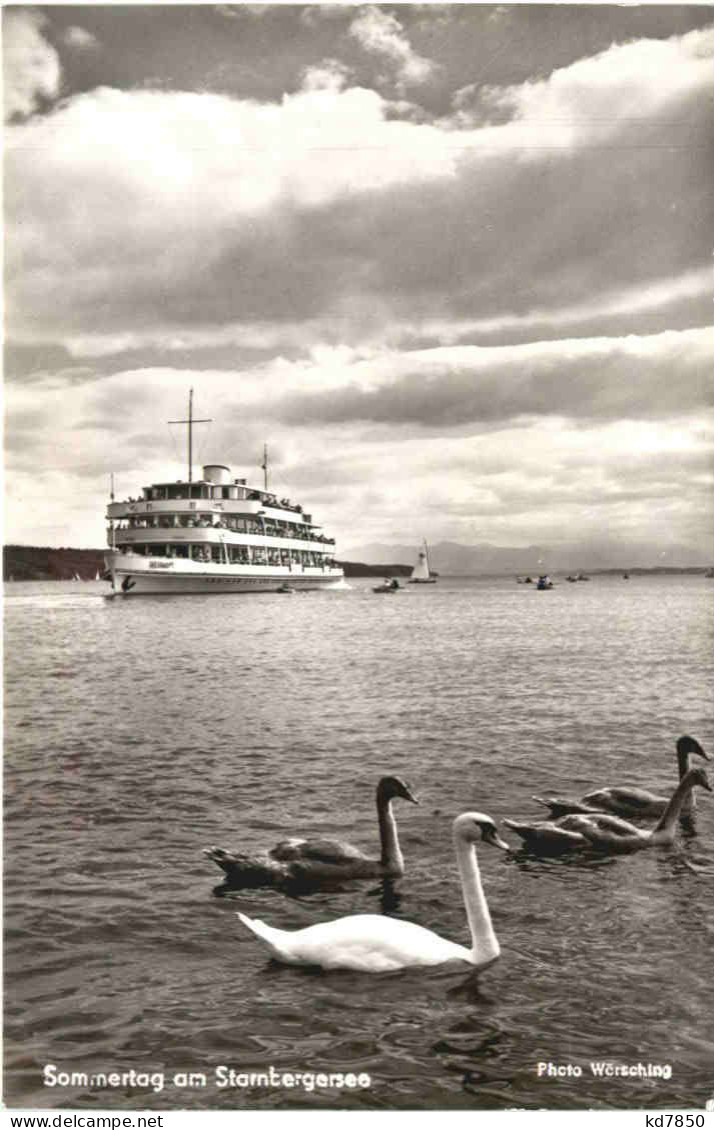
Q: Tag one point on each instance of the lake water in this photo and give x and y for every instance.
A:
(138, 731)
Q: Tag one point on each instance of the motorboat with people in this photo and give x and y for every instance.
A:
(390, 584)
(544, 582)
(215, 534)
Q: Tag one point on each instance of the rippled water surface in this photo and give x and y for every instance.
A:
(139, 731)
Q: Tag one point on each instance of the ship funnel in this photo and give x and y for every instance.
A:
(217, 473)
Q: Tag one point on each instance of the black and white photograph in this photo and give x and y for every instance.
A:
(403, 311)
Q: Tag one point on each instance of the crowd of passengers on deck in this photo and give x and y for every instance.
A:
(238, 525)
(221, 554)
(181, 491)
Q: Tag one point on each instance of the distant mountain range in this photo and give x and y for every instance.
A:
(449, 557)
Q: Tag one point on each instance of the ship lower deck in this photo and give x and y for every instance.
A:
(134, 575)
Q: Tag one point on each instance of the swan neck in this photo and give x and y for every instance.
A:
(484, 944)
(392, 859)
(669, 817)
(689, 800)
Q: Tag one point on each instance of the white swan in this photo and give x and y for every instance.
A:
(373, 943)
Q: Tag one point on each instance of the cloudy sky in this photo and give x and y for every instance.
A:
(453, 264)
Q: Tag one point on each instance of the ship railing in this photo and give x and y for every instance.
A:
(238, 507)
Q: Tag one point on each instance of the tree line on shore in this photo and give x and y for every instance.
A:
(48, 563)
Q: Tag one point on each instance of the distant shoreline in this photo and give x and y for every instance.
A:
(46, 563)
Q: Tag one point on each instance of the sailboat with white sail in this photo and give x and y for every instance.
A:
(421, 573)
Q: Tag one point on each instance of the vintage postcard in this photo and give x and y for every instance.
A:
(402, 312)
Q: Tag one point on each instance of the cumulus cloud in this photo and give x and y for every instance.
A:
(508, 484)
(31, 67)
(79, 37)
(331, 74)
(658, 295)
(381, 299)
(311, 15)
(578, 379)
(621, 92)
(135, 190)
(155, 210)
(382, 34)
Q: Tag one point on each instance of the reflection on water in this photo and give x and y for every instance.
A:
(140, 731)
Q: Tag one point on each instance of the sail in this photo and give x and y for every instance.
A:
(420, 572)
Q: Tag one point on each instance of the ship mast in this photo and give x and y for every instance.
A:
(190, 423)
(264, 466)
(111, 520)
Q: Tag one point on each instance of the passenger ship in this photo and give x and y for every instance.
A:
(215, 534)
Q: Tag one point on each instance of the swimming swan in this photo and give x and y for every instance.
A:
(322, 860)
(625, 800)
(373, 943)
(606, 832)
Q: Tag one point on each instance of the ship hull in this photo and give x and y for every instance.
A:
(132, 575)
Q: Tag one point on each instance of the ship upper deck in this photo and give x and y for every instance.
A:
(223, 497)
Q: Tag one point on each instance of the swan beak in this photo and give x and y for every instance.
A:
(703, 753)
(496, 841)
(706, 785)
(409, 795)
